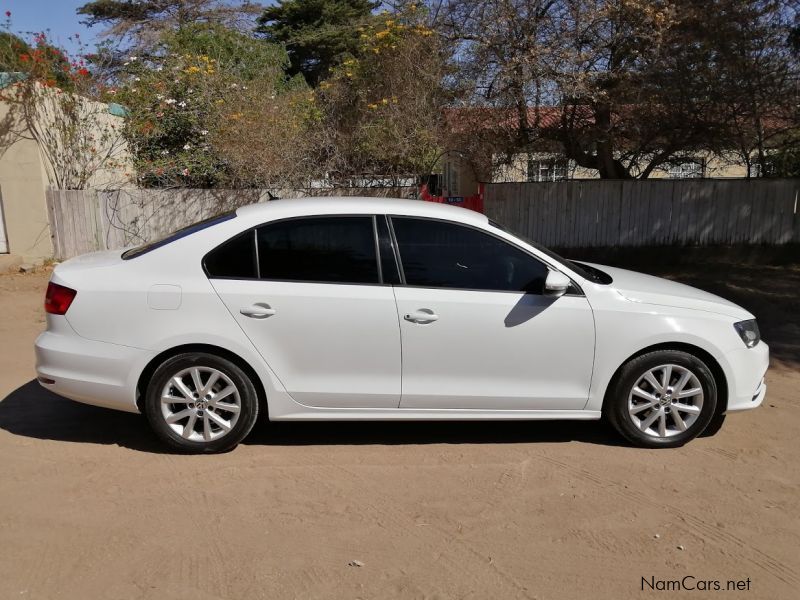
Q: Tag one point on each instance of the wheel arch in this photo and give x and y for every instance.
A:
(150, 368)
(704, 355)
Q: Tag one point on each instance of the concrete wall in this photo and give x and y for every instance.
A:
(24, 177)
(22, 192)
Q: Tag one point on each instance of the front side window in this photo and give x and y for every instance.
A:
(319, 249)
(449, 255)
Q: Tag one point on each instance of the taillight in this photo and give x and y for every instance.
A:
(58, 298)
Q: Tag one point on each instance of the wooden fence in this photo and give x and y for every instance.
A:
(89, 220)
(573, 214)
(582, 214)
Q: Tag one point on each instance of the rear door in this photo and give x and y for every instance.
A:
(477, 331)
(309, 293)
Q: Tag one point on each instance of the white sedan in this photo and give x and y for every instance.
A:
(375, 309)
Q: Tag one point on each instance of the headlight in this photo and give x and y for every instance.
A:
(748, 331)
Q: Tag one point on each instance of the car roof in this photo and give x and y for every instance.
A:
(326, 205)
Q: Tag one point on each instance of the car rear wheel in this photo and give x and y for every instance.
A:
(200, 403)
(662, 399)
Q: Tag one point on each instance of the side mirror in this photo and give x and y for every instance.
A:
(556, 284)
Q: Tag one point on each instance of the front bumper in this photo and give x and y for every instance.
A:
(88, 371)
(746, 384)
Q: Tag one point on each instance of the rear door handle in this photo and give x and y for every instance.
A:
(421, 316)
(260, 310)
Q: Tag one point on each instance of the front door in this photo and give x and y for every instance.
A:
(318, 312)
(477, 333)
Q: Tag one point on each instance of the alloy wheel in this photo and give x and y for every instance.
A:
(200, 404)
(665, 401)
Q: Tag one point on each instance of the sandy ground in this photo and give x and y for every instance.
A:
(91, 508)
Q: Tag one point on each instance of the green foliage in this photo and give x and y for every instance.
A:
(185, 99)
(243, 57)
(317, 33)
(385, 103)
(784, 163)
(40, 60)
(104, 11)
(12, 47)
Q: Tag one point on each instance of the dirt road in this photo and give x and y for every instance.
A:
(91, 508)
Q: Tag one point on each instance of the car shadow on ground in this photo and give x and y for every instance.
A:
(32, 411)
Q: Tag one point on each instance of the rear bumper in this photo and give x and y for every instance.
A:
(88, 371)
(748, 367)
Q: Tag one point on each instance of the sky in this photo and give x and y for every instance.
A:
(58, 16)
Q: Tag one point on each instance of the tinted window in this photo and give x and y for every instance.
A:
(234, 258)
(388, 261)
(320, 249)
(439, 254)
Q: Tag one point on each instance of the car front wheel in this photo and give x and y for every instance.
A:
(662, 399)
(201, 403)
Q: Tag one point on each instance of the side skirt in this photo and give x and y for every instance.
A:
(399, 414)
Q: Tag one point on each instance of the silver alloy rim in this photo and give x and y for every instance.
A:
(200, 404)
(666, 401)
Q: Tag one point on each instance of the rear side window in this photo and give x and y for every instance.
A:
(319, 249)
(236, 258)
(449, 255)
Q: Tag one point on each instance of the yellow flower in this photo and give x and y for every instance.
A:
(382, 34)
(384, 101)
(372, 106)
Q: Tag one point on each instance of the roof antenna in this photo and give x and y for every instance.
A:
(271, 196)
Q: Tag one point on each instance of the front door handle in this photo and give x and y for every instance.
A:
(260, 310)
(422, 316)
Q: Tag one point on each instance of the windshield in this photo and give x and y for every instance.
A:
(176, 235)
(588, 272)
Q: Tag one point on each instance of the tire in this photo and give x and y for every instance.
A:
(655, 416)
(215, 422)
(716, 423)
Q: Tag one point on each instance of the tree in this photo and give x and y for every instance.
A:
(49, 62)
(619, 86)
(758, 83)
(138, 25)
(383, 106)
(214, 108)
(317, 33)
(49, 101)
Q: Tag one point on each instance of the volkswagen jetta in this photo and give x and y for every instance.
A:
(377, 309)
